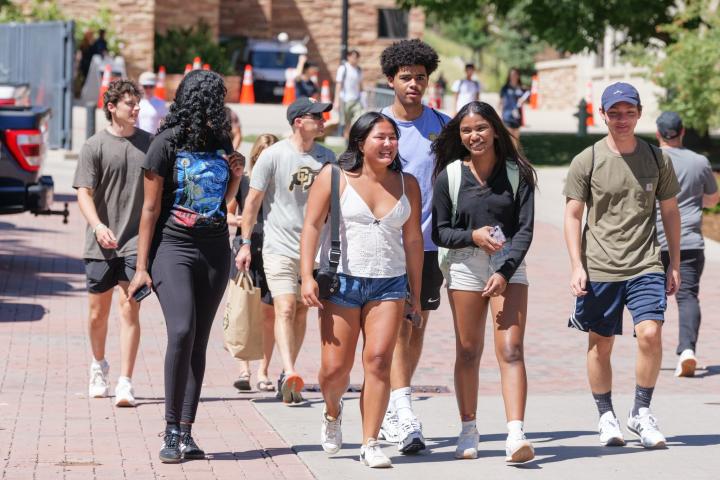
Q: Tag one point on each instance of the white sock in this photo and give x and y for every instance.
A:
(468, 426)
(124, 380)
(515, 428)
(100, 363)
(403, 403)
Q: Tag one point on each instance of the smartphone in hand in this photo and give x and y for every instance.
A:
(141, 293)
(498, 235)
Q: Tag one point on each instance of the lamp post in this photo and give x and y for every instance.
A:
(344, 30)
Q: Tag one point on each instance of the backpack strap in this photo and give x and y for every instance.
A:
(652, 150)
(334, 218)
(454, 175)
(439, 117)
(513, 174)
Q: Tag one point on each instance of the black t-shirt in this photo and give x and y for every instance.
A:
(257, 234)
(194, 186)
(485, 205)
(305, 88)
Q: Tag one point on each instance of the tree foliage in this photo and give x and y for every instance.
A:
(178, 46)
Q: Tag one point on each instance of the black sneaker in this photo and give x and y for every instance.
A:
(189, 449)
(278, 392)
(170, 451)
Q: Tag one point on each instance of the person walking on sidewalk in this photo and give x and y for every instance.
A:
(257, 272)
(408, 64)
(109, 186)
(466, 89)
(483, 210)
(380, 262)
(615, 257)
(152, 109)
(512, 97)
(698, 189)
(281, 180)
(348, 89)
(191, 171)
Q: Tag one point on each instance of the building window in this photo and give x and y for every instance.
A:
(392, 23)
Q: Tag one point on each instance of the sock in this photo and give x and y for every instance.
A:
(124, 380)
(185, 427)
(604, 402)
(468, 426)
(100, 363)
(172, 427)
(515, 428)
(403, 404)
(643, 396)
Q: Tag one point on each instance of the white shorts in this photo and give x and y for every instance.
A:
(470, 268)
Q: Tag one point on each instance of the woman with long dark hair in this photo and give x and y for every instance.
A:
(191, 171)
(483, 214)
(380, 267)
(512, 97)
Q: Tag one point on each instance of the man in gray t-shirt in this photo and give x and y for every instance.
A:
(698, 189)
(108, 180)
(280, 182)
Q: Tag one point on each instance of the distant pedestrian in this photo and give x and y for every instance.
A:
(235, 128)
(109, 186)
(512, 97)
(152, 109)
(305, 81)
(280, 183)
(257, 272)
(100, 45)
(698, 189)
(615, 257)
(483, 211)
(348, 89)
(466, 89)
(191, 171)
(380, 266)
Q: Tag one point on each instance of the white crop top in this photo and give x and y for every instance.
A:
(370, 247)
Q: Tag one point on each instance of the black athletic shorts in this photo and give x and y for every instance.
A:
(102, 275)
(432, 280)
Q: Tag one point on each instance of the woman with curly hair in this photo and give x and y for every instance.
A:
(191, 171)
(484, 192)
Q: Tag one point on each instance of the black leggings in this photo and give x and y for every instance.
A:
(190, 278)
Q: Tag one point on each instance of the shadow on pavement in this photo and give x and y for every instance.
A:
(21, 312)
(250, 454)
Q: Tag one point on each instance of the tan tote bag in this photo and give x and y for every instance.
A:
(243, 323)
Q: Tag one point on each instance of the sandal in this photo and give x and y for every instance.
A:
(243, 383)
(265, 385)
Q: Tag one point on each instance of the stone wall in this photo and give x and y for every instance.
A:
(187, 13)
(558, 88)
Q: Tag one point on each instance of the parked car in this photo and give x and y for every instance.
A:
(23, 149)
(270, 60)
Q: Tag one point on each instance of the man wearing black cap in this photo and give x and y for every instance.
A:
(698, 189)
(615, 258)
(280, 181)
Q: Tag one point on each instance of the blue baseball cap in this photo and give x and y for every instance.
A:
(619, 92)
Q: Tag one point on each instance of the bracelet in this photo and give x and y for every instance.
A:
(98, 227)
(245, 241)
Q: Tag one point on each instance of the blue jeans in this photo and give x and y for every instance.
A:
(356, 292)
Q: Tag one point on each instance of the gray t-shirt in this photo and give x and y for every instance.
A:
(111, 167)
(286, 175)
(696, 179)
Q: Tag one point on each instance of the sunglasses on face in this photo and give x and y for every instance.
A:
(314, 116)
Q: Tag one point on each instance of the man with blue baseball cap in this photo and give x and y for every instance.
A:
(615, 257)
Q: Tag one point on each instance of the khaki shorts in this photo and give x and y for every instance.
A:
(352, 111)
(282, 274)
(470, 268)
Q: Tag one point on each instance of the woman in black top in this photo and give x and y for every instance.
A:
(496, 183)
(191, 170)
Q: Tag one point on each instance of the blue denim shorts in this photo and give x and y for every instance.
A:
(355, 292)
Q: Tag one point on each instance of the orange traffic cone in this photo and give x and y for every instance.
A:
(589, 121)
(247, 93)
(534, 92)
(197, 63)
(188, 68)
(206, 66)
(289, 93)
(160, 85)
(325, 97)
(107, 73)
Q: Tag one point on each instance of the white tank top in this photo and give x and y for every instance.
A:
(370, 247)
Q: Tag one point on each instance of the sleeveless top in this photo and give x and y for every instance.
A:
(370, 247)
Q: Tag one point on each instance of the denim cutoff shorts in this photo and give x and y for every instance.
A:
(355, 292)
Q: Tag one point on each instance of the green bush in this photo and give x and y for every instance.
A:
(179, 46)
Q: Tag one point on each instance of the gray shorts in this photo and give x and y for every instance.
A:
(470, 268)
(102, 275)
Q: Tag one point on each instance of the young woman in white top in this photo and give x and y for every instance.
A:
(379, 272)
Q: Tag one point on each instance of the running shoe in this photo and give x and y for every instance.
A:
(610, 433)
(518, 449)
(644, 426)
(291, 384)
(170, 449)
(331, 432)
(467, 444)
(372, 455)
(686, 364)
(98, 387)
(411, 436)
(124, 394)
(390, 428)
(190, 449)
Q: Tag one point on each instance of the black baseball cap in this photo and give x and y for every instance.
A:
(669, 125)
(303, 106)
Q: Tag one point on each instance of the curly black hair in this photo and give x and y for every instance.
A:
(198, 112)
(448, 147)
(406, 53)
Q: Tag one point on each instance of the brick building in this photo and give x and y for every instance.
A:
(371, 23)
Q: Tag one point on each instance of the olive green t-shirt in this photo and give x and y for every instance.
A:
(619, 240)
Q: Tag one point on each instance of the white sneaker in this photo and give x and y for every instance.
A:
(124, 394)
(411, 436)
(467, 444)
(390, 428)
(330, 432)
(372, 455)
(644, 426)
(518, 449)
(98, 387)
(686, 364)
(610, 433)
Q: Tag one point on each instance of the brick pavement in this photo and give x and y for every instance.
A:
(49, 429)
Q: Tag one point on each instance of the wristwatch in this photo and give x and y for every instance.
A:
(245, 241)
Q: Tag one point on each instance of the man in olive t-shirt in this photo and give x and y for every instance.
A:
(616, 260)
(108, 180)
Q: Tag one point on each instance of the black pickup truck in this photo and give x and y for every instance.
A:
(23, 145)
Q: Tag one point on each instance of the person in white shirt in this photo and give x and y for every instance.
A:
(152, 108)
(466, 90)
(348, 87)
